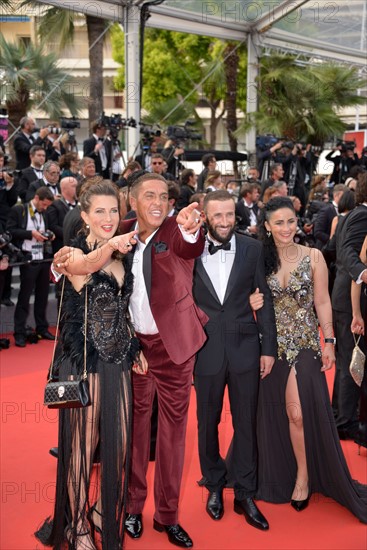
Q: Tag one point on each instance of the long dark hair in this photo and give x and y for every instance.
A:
(272, 260)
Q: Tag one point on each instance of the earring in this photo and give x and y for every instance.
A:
(268, 233)
(87, 227)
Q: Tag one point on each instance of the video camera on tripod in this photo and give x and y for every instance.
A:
(149, 132)
(181, 134)
(114, 123)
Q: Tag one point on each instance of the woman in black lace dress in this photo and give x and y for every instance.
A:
(90, 502)
(299, 448)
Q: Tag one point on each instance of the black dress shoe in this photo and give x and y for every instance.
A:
(176, 535)
(4, 343)
(7, 302)
(252, 514)
(54, 451)
(20, 341)
(46, 335)
(134, 525)
(300, 505)
(214, 505)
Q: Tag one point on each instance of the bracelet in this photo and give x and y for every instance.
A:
(330, 341)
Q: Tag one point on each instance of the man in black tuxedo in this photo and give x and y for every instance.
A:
(34, 172)
(326, 215)
(27, 224)
(346, 393)
(96, 147)
(57, 211)
(228, 271)
(24, 140)
(247, 209)
(50, 179)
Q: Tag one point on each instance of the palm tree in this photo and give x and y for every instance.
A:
(59, 22)
(301, 101)
(32, 79)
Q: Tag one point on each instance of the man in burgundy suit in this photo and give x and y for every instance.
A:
(170, 328)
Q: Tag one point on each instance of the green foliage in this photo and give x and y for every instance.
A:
(60, 23)
(302, 101)
(173, 64)
(32, 78)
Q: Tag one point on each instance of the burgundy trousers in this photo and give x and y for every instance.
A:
(173, 385)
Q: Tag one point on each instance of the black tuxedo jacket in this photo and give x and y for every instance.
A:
(243, 214)
(88, 151)
(323, 223)
(56, 213)
(7, 200)
(27, 177)
(349, 266)
(22, 147)
(232, 331)
(355, 233)
(17, 224)
(36, 184)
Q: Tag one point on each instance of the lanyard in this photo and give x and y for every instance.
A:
(32, 214)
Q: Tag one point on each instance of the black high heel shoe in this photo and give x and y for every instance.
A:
(95, 527)
(300, 505)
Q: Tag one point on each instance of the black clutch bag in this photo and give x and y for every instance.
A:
(68, 394)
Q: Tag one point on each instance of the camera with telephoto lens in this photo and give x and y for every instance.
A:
(54, 130)
(14, 253)
(150, 132)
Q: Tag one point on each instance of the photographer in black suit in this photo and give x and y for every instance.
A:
(34, 172)
(228, 271)
(28, 226)
(247, 209)
(24, 140)
(97, 148)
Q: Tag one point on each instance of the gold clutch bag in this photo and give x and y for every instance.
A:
(356, 367)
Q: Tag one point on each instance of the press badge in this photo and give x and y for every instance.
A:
(37, 251)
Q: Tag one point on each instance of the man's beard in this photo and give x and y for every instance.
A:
(218, 237)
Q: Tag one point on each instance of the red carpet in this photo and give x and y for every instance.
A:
(28, 430)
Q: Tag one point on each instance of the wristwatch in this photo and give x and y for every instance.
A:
(330, 341)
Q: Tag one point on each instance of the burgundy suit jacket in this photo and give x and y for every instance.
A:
(180, 322)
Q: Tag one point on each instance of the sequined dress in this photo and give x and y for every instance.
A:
(299, 348)
(94, 442)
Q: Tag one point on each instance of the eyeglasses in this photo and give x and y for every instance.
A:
(54, 173)
(159, 163)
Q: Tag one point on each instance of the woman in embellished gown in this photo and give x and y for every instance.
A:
(92, 501)
(299, 448)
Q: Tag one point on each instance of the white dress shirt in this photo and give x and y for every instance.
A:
(219, 266)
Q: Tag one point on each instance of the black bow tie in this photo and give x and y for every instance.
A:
(101, 139)
(214, 248)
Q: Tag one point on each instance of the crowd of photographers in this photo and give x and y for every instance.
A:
(36, 198)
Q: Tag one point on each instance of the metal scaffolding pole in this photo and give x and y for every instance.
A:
(252, 96)
(131, 26)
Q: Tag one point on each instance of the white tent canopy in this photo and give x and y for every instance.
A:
(334, 31)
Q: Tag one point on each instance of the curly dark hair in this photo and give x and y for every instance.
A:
(272, 260)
